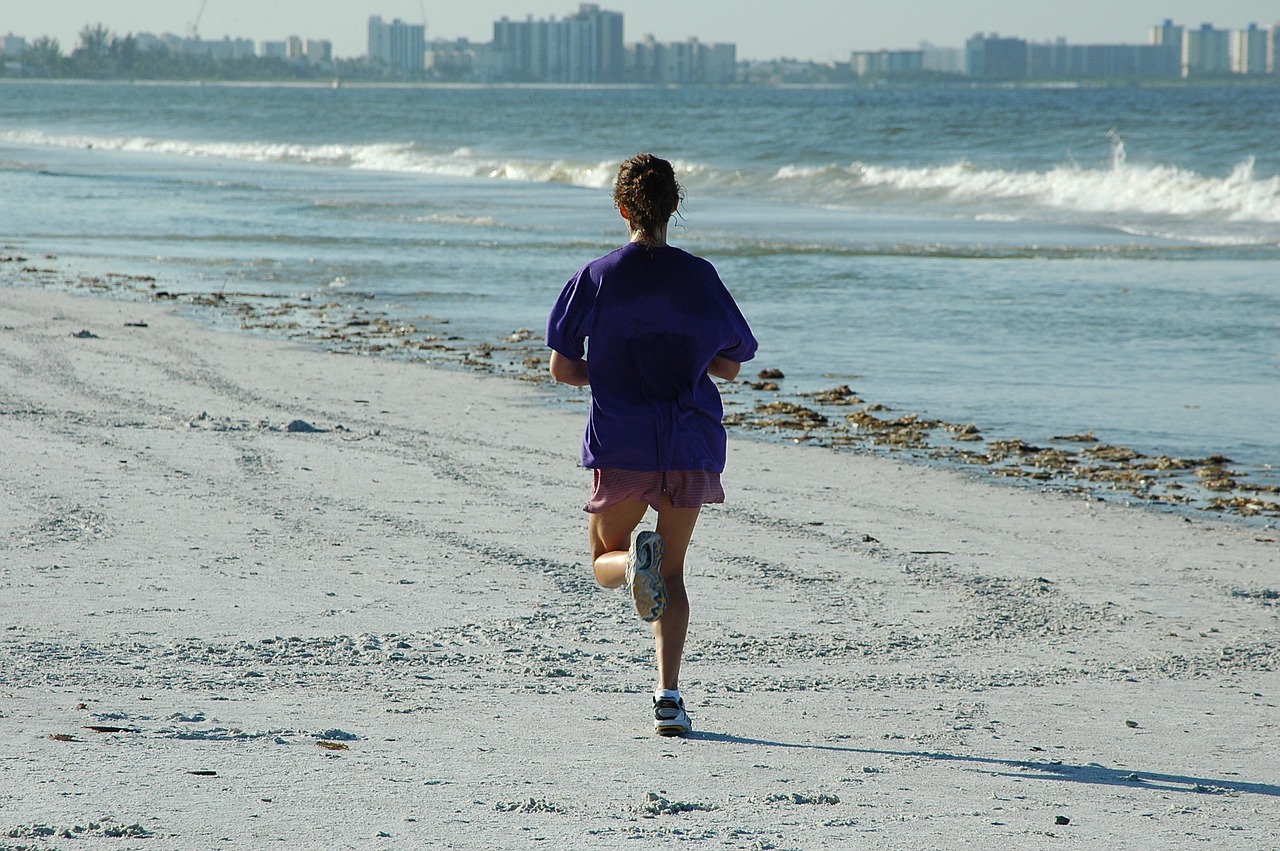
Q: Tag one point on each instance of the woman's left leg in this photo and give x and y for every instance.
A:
(609, 532)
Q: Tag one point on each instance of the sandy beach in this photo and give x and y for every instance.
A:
(259, 595)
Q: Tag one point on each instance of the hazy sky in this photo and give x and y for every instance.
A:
(803, 29)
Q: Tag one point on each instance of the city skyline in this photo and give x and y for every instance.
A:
(819, 30)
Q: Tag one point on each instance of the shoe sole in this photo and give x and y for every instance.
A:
(644, 564)
(667, 725)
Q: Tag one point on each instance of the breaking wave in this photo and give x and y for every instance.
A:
(1119, 190)
(1148, 190)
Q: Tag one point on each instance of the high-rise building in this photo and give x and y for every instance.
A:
(996, 58)
(1168, 34)
(1059, 60)
(12, 46)
(681, 62)
(1249, 50)
(943, 60)
(1167, 38)
(886, 63)
(585, 47)
(1206, 52)
(1273, 50)
(398, 47)
(319, 51)
(596, 53)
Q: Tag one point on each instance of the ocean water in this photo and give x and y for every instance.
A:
(1036, 261)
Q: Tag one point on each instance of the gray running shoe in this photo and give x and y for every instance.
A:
(669, 717)
(644, 576)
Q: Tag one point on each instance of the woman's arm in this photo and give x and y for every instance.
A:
(567, 371)
(723, 368)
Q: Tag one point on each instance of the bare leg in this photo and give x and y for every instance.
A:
(610, 538)
(675, 527)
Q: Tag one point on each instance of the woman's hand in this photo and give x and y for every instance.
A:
(566, 371)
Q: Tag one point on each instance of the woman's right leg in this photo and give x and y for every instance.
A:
(675, 527)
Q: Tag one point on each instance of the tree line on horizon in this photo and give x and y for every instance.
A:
(101, 54)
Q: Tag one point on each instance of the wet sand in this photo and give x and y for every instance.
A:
(256, 594)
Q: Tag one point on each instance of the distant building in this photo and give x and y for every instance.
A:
(682, 62)
(398, 47)
(227, 48)
(273, 50)
(585, 47)
(886, 63)
(1167, 39)
(318, 51)
(718, 63)
(596, 53)
(993, 57)
(1168, 34)
(12, 46)
(294, 49)
(1273, 50)
(1249, 50)
(461, 60)
(1059, 60)
(150, 43)
(943, 60)
(1206, 52)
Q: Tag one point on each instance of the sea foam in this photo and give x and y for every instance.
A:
(1123, 188)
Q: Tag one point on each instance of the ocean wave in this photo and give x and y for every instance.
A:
(339, 155)
(399, 157)
(1121, 190)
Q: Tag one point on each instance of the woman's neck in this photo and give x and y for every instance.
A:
(657, 239)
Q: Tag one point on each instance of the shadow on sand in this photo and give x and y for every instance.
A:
(1091, 773)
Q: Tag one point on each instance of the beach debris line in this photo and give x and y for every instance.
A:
(532, 805)
(835, 418)
(302, 427)
(104, 828)
(657, 805)
(802, 799)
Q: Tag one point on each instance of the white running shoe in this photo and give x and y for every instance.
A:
(669, 717)
(644, 576)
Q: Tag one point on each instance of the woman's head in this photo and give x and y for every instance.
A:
(647, 192)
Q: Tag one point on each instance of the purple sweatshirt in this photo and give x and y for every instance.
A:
(655, 318)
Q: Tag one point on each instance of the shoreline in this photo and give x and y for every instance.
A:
(834, 418)
(940, 83)
(258, 593)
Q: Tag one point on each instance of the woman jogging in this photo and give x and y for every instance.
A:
(660, 324)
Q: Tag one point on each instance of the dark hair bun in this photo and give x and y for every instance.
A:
(647, 189)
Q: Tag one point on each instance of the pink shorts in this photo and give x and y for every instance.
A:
(685, 488)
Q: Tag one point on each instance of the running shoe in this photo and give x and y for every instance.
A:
(669, 717)
(644, 576)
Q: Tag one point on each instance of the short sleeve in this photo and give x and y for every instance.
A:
(740, 344)
(566, 326)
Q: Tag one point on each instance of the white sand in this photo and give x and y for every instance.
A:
(882, 655)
